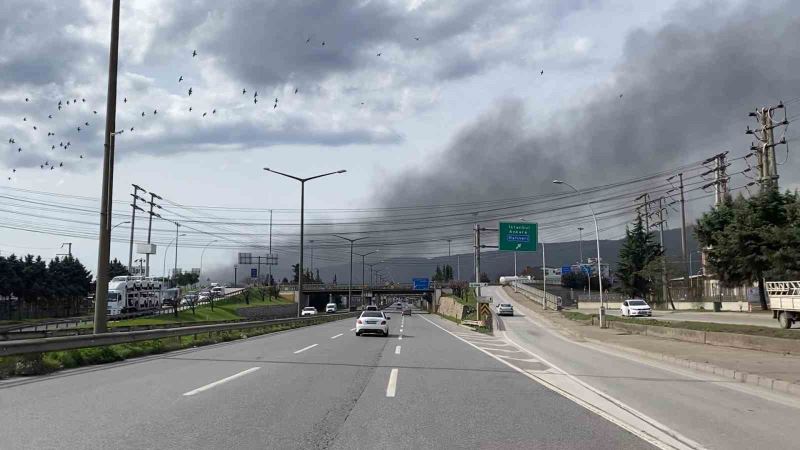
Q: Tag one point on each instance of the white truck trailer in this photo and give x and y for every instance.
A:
(133, 294)
(784, 301)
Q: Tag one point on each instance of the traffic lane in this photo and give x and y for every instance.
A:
(708, 409)
(733, 318)
(119, 396)
(450, 395)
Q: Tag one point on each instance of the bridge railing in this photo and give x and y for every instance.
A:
(546, 299)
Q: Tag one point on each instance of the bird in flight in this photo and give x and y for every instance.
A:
(19, 149)
(26, 99)
(59, 107)
(308, 40)
(52, 167)
(213, 111)
(190, 109)
(295, 90)
(255, 94)
(204, 114)
(41, 166)
(194, 53)
(190, 92)
(142, 113)
(274, 106)
(49, 116)
(53, 147)
(541, 73)
(180, 79)
(244, 91)
(94, 112)
(620, 95)
(379, 54)
(34, 127)
(61, 164)
(255, 100)
(155, 111)
(276, 99)
(125, 100)
(323, 43)
(81, 156)
(131, 129)
(83, 100)
(416, 38)
(68, 102)
(11, 141)
(86, 123)
(24, 119)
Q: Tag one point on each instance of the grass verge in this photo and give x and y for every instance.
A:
(697, 326)
(43, 363)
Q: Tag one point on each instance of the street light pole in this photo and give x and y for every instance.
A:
(580, 245)
(350, 285)
(302, 211)
(597, 239)
(164, 268)
(204, 252)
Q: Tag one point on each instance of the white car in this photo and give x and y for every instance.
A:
(372, 322)
(308, 311)
(635, 307)
(330, 308)
(505, 308)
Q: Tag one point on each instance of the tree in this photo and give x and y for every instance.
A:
(747, 240)
(317, 278)
(186, 278)
(334, 280)
(438, 275)
(447, 272)
(638, 250)
(484, 278)
(116, 269)
(285, 280)
(573, 280)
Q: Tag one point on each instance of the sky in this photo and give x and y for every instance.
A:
(440, 111)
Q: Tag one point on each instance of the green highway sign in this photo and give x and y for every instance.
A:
(518, 236)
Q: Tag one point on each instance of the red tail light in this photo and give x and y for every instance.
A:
(383, 322)
(359, 321)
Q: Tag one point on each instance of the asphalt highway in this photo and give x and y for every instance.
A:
(316, 387)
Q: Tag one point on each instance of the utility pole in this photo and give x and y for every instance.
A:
(104, 245)
(580, 245)
(664, 280)
(270, 247)
(175, 269)
(134, 207)
(765, 153)
(152, 203)
(683, 234)
(69, 248)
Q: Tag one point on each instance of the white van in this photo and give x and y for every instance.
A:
(330, 308)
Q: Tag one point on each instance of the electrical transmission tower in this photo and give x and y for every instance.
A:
(766, 164)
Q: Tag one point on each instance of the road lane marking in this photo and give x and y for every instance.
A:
(217, 383)
(400, 338)
(401, 329)
(334, 337)
(397, 350)
(352, 329)
(305, 348)
(391, 388)
(658, 434)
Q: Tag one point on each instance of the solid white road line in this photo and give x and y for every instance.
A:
(397, 350)
(391, 388)
(334, 337)
(224, 380)
(305, 348)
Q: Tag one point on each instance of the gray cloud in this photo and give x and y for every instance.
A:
(687, 88)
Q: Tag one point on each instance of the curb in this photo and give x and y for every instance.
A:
(742, 377)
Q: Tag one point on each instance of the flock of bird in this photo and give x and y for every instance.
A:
(84, 124)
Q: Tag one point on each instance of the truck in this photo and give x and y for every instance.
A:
(784, 301)
(128, 294)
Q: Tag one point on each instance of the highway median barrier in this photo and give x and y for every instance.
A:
(39, 356)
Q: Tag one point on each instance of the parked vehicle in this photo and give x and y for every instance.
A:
(372, 322)
(133, 294)
(505, 309)
(784, 301)
(330, 308)
(635, 307)
(308, 311)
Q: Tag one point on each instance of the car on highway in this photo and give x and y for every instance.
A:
(189, 300)
(505, 309)
(371, 308)
(203, 296)
(308, 311)
(372, 322)
(330, 308)
(635, 307)
(407, 311)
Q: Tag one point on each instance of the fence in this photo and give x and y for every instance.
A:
(546, 299)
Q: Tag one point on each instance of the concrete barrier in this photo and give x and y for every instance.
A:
(735, 340)
(679, 306)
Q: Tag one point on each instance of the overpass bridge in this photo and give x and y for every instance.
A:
(319, 294)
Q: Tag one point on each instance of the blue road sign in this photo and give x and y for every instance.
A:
(565, 270)
(253, 273)
(587, 269)
(421, 284)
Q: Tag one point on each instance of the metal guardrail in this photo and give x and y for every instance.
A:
(547, 300)
(20, 347)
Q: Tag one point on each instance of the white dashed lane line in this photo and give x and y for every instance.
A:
(391, 388)
(397, 350)
(334, 337)
(352, 329)
(305, 348)
(217, 383)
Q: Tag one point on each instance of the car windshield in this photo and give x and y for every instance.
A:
(505, 305)
(310, 308)
(371, 314)
(637, 303)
